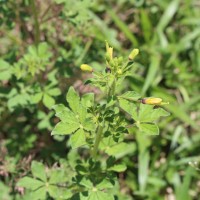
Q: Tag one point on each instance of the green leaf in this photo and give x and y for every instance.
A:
(99, 195)
(65, 128)
(39, 194)
(67, 116)
(158, 112)
(130, 95)
(58, 108)
(59, 192)
(105, 184)
(149, 129)
(5, 70)
(54, 92)
(30, 183)
(57, 176)
(38, 170)
(36, 97)
(48, 101)
(78, 139)
(82, 111)
(118, 168)
(88, 124)
(87, 100)
(73, 99)
(129, 107)
(147, 113)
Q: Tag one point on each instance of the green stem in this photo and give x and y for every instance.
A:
(37, 26)
(97, 141)
(98, 138)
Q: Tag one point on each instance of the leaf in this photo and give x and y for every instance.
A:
(39, 194)
(88, 124)
(118, 168)
(54, 92)
(59, 192)
(87, 100)
(82, 111)
(5, 71)
(147, 113)
(38, 170)
(73, 99)
(78, 139)
(105, 184)
(57, 176)
(67, 116)
(48, 101)
(65, 128)
(30, 183)
(99, 195)
(129, 107)
(58, 108)
(36, 97)
(130, 95)
(158, 112)
(149, 129)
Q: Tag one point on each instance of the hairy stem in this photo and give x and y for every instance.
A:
(98, 138)
(97, 141)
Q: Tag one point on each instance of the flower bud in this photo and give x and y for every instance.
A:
(86, 68)
(119, 71)
(109, 52)
(133, 54)
(152, 101)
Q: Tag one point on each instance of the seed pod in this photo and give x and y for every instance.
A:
(133, 54)
(86, 68)
(152, 101)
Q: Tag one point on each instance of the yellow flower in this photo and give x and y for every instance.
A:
(86, 68)
(109, 51)
(133, 54)
(152, 101)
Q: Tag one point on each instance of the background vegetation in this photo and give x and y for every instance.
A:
(42, 45)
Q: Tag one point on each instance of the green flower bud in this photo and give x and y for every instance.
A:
(133, 54)
(86, 68)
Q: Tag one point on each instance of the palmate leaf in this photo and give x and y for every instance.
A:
(59, 192)
(65, 114)
(149, 129)
(30, 183)
(48, 100)
(38, 170)
(130, 95)
(73, 99)
(129, 107)
(38, 194)
(78, 139)
(63, 128)
(147, 113)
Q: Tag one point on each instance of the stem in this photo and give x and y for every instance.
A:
(98, 138)
(97, 141)
(37, 27)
